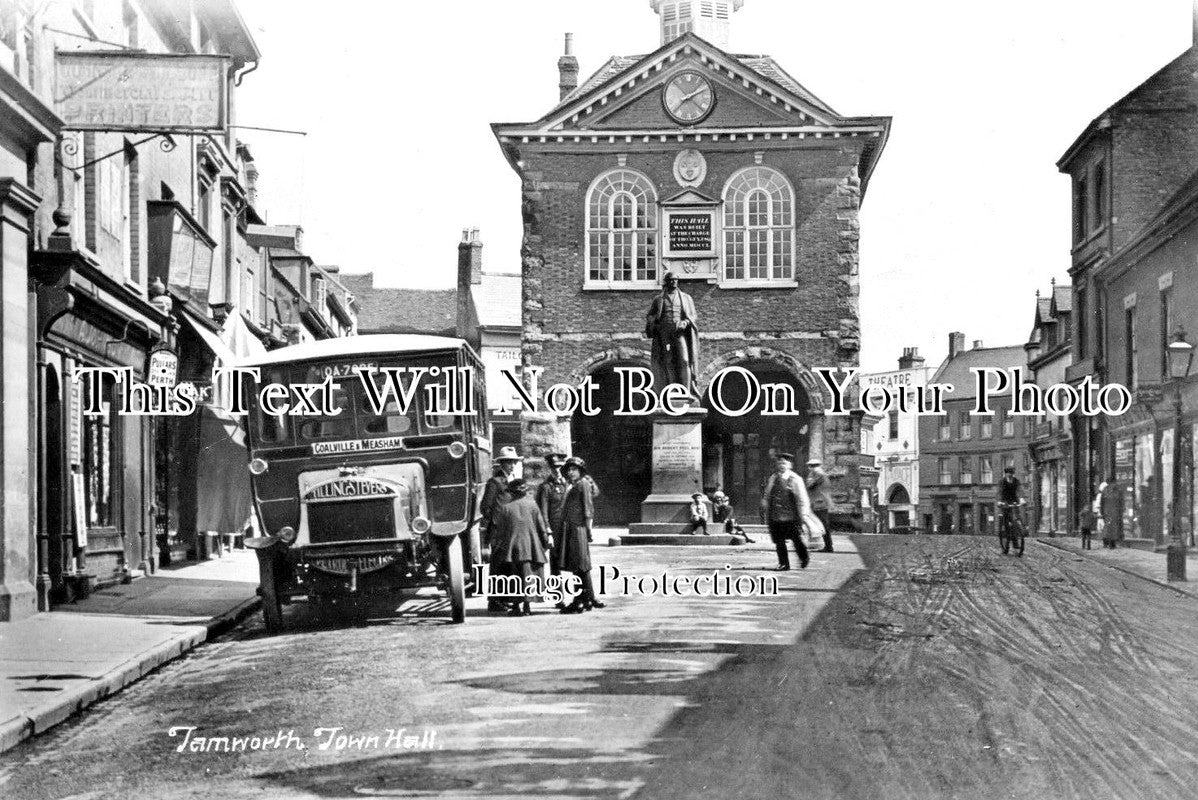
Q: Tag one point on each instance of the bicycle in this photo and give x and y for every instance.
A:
(1009, 519)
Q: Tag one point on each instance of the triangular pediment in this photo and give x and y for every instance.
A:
(748, 91)
(690, 197)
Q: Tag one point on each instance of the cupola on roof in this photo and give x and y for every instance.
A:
(710, 19)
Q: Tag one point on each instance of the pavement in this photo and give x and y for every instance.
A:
(55, 664)
(1141, 563)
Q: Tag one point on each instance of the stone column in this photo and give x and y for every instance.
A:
(18, 544)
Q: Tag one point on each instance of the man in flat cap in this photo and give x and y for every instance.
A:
(495, 494)
(783, 506)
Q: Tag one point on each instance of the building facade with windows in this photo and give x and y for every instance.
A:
(1049, 354)
(1152, 282)
(726, 171)
(113, 245)
(895, 444)
(962, 456)
(1129, 170)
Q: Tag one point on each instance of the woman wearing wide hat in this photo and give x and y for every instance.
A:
(573, 552)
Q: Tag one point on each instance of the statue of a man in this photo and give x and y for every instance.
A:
(671, 326)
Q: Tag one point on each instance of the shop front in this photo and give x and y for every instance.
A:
(96, 478)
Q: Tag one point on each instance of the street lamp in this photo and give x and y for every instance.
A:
(1181, 358)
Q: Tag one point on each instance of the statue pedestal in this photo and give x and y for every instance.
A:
(677, 471)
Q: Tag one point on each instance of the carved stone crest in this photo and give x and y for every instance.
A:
(690, 168)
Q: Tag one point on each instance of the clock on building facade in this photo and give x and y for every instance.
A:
(724, 171)
(689, 97)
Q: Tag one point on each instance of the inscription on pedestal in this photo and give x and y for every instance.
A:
(677, 457)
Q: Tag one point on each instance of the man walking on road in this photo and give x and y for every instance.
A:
(783, 506)
(819, 487)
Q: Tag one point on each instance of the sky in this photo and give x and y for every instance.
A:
(966, 214)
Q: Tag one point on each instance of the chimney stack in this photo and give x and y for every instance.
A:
(470, 273)
(911, 358)
(956, 343)
(567, 68)
(977, 344)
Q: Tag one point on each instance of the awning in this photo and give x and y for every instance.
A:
(210, 338)
(237, 337)
(222, 477)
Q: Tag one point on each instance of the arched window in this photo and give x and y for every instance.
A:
(622, 229)
(758, 227)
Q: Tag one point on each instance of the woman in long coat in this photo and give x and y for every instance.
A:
(573, 552)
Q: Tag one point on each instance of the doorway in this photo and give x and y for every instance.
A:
(739, 452)
(618, 451)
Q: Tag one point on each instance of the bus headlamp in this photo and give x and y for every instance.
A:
(457, 449)
(421, 525)
(259, 466)
(286, 534)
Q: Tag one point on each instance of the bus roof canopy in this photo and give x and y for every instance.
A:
(352, 346)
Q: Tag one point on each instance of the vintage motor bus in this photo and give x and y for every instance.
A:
(356, 503)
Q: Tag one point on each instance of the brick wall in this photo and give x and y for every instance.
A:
(815, 319)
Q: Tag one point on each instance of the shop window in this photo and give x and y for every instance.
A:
(98, 452)
(621, 230)
(758, 227)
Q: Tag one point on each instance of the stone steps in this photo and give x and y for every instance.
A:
(667, 538)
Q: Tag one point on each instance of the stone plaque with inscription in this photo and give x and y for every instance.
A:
(691, 232)
(677, 466)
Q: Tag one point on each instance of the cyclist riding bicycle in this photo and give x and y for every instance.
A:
(1009, 500)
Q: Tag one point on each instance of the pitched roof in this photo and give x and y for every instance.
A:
(387, 310)
(1103, 120)
(1062, 298)
(956, 370)
(1044, 309)
(497, 300)
(765, 66)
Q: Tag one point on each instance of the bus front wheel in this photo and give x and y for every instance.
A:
(272, 607)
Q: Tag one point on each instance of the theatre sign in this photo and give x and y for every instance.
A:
(141, 92)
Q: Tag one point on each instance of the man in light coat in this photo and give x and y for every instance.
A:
(784, 505)
(819, 487)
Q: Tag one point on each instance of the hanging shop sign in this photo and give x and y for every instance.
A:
(163, 369)
(141, 92)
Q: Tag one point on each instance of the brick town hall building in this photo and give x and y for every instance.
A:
(726, 171)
